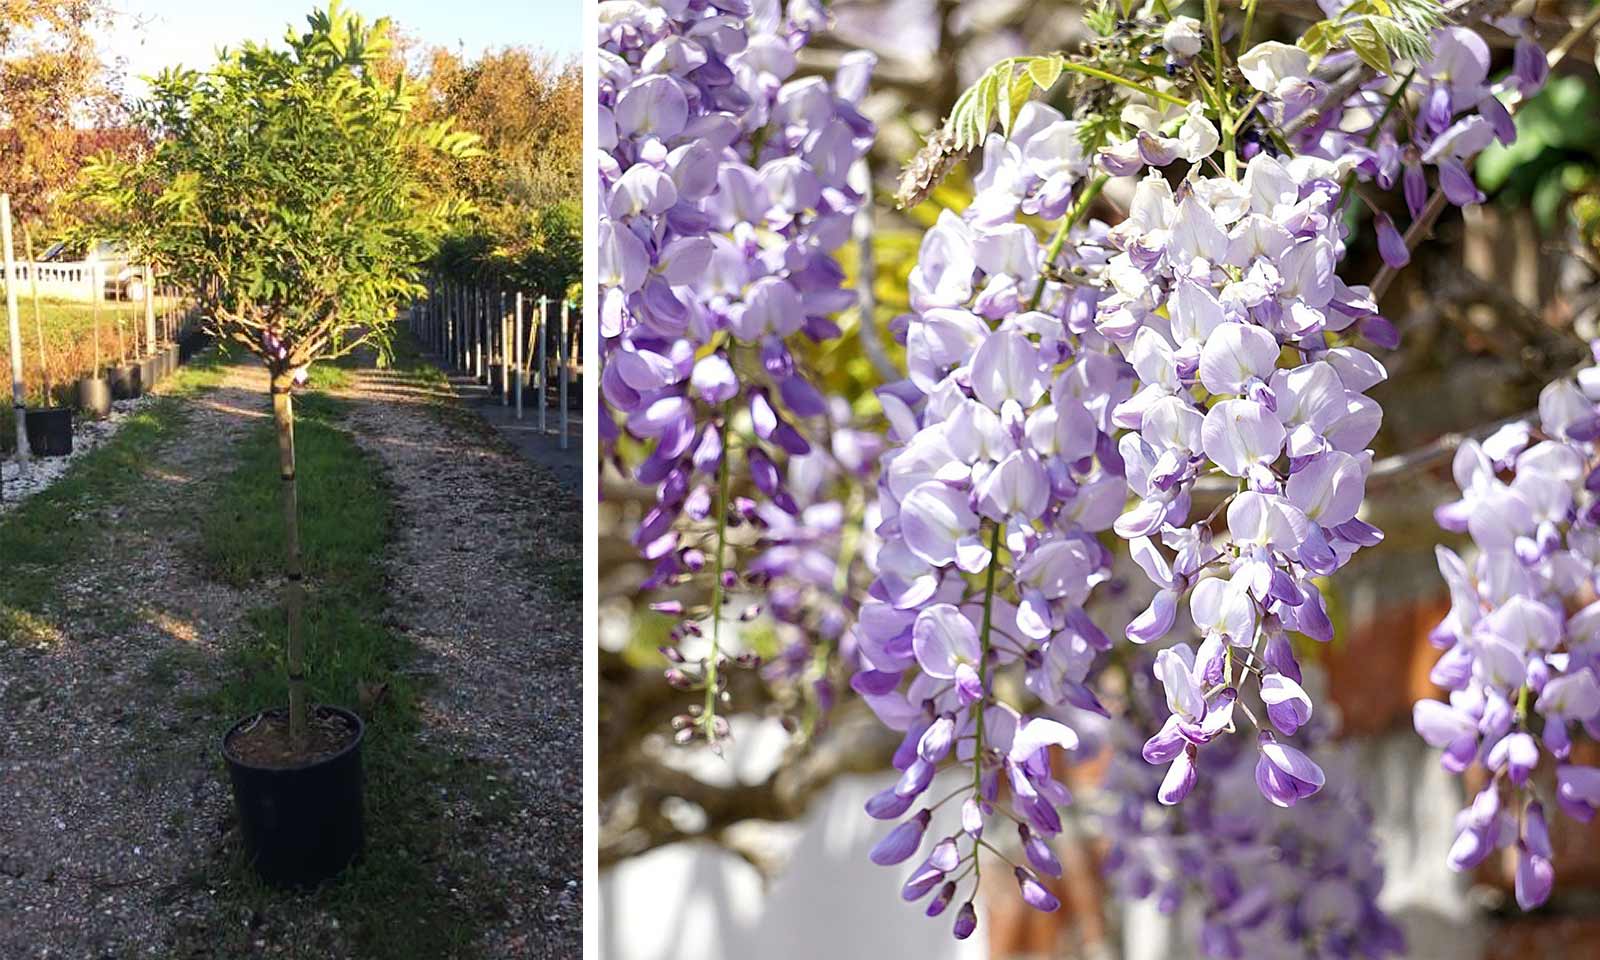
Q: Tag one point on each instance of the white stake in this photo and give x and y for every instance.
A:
(544, 363)
(517, 350)
(18, 401)
(563, 351)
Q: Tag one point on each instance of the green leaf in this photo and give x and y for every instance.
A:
(1318, 38)
(1017, 89)
(1045, 71)
(1370, 49)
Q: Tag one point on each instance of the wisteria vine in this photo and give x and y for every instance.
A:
(1189, 379)
(1206, 336)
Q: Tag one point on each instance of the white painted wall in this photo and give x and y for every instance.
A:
(696, 902)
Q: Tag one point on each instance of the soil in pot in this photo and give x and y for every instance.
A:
(49, 431)
(94, 397)
(300, 806)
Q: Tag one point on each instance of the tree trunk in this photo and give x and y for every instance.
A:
(293, 587)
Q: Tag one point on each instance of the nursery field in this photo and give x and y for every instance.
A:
(143, 601)
(68, 346)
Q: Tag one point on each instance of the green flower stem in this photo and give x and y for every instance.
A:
(983, 670)
(1249, 23)
(1074, 67)
(1230, 159)
(1074, 215)
(724, 482)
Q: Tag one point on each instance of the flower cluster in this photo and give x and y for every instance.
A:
(1522, 639)
(725, 187)
(1226, 301)
(1205, 345)
(1270, 882)
(813, 562)
(1440, 113)
(1003, 472)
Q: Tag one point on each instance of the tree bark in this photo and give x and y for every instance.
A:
(293, 586)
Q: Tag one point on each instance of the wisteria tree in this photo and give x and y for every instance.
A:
(285, 184)
(1180, 390)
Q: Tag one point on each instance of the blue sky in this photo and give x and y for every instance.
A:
(189, 31)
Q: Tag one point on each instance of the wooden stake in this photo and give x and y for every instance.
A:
(517, 350)
(94, 314)
(149, 310)
(544, 363)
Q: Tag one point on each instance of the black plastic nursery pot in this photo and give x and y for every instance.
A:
(192, 342)
(125, 382)
(49, 431)
(149, 371)
(94, 397)
(301, 824)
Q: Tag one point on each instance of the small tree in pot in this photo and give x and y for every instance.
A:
(288, 183)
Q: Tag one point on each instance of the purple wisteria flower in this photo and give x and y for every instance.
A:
(1001, 474)
(1270, 880)
(1225, 301)
(1439, 113)
(1523, 633)
(725, 187)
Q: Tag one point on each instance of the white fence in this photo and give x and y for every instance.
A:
(80, 282)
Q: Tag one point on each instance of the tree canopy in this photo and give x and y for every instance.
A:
(288, 181)
(525, 186)
(51, 79)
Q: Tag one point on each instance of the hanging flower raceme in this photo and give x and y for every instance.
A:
(1226, 302)
(1001, 474)
(724, 190)
(1439, 111)
(1522, 639)
(1269, 882)
(813, 565)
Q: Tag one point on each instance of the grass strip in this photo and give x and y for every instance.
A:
(398, 902)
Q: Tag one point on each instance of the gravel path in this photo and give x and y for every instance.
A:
(108, 788)
(87, 435)
(113, 806)
(480, 527)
